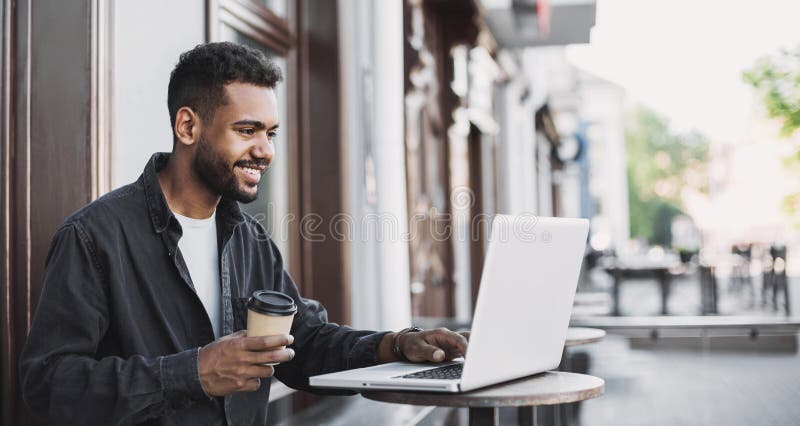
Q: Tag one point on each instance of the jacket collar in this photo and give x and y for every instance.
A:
(228, 210)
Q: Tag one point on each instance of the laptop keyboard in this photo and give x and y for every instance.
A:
(448, 372)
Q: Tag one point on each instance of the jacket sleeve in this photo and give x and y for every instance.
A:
(320, 346)
(62, 377)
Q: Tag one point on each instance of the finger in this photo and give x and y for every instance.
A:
(452, 353)
(240, 333)
(425, 352)
(250, 385)
(264, 343)
(465, 335)
(453, 343)
(269, 357)
(259, 371)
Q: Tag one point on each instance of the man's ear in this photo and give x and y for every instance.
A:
(187, 126)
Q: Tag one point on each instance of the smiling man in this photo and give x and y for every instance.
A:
(144, 299)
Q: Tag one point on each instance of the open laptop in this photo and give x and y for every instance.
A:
(521, 318)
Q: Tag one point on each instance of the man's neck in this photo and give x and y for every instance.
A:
(183, 190)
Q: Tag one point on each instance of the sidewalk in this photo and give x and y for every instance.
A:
(681, 387)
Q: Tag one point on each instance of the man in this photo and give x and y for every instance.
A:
(144, 293)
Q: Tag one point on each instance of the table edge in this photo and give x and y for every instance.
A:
(547, 399)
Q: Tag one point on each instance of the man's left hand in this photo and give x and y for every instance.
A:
(435, 345)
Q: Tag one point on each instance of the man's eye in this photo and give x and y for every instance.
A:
(272, 135)
(248, 132)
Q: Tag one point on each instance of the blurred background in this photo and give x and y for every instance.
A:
(407, 124)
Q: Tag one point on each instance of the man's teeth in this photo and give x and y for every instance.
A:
(251, 171)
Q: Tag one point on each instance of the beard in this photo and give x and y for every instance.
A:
(214, 170)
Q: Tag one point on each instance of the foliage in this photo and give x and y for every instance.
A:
(660, 165)
(776, 79)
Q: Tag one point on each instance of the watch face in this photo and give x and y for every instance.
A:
(568, 148)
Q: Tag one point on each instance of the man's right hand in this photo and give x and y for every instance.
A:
(235, 363)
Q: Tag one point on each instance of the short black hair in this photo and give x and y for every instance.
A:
(198, 80)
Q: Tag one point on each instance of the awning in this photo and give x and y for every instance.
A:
(531, 23)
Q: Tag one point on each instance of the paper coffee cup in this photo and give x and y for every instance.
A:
(269, 313)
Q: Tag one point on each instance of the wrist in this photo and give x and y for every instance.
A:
(201, 371)
(397, 347)
(385, 348)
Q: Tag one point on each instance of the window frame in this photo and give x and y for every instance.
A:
(254, 20)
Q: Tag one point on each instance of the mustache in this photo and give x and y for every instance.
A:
(251, 163)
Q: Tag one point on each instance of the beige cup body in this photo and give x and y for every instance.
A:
(268, 325)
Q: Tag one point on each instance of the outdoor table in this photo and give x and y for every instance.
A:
(659, 271)
(583, 335)
(549, 388)
(577, 336)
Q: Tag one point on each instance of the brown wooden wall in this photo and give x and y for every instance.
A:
(46, 156)
(320, 153)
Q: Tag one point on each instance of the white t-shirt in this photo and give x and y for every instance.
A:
(198, 245)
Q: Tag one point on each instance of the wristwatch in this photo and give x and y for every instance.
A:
(396, 342)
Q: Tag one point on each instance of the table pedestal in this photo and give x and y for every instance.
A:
(561, 414)
(484, 416)
(528, 416)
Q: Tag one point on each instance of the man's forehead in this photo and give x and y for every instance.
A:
(248, 89)
(250, 102)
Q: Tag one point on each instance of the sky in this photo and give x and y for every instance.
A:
(684, 58)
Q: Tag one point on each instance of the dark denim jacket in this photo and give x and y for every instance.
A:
(117, 332)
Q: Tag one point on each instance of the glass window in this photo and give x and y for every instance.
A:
(272, 206)
(278, 7)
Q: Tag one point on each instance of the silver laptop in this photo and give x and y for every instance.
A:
(524, 304)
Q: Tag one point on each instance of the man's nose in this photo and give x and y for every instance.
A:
(263, 149)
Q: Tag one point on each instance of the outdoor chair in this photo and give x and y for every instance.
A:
(775, 280)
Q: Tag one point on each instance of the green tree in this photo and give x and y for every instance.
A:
(660, 165)
(776, 79)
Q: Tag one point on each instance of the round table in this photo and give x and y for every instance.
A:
(582, 336)
(552, 387)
